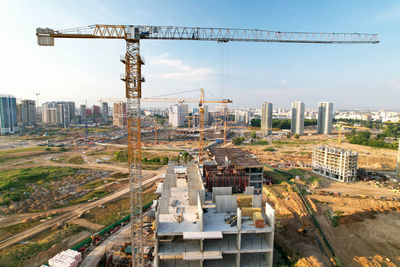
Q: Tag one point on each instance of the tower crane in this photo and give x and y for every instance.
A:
(342, 126)
(133, 34)
(201, 103)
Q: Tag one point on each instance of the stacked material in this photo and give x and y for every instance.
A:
(244, 201)
(67, 258)
(248, 211)
(258, 219)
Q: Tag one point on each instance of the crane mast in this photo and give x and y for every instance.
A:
(132, 34)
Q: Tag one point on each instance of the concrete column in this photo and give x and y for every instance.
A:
(164, 205)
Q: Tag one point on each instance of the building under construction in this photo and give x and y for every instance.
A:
(233, 167)
(335, 163)
(194, 227)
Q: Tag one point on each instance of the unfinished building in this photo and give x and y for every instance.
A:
(197, 228)
(233, 167)
(335, 163)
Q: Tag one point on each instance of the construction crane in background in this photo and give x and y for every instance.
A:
(201, 103)
(343, 126)
(133, 34)
(189, 118)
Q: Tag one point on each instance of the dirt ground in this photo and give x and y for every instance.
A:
(368, 233)
(357, 188)
(300, 151)
(291, 214)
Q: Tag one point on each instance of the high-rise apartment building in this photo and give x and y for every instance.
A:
(82, 111)
(8, 114)
(26, 111)
(297, 123)
(71, 108)
(177, 114)
(104, 111)
(119, 114)
(58, 113)
(96, 110)
(325, 115)
(266, 118)
(335, 163)
(242, 116)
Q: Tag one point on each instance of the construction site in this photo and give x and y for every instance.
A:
(145, 193)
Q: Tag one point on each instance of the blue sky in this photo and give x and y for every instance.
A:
(351, 76)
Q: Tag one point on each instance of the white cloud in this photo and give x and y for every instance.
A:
(175, 69)
(283, 82)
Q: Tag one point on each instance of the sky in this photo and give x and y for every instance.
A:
(352, 76)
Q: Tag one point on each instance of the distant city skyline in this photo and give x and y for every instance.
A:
(351, 76)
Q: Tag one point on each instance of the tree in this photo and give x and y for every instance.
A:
(253, 135)
(255, 123)
(288, 135)
(297, 136)
(186, 157)
(164, 160)
(238, 141)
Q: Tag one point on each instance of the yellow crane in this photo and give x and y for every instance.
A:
(133, 34)
(201, 103)
(189, 118)
(343, 126)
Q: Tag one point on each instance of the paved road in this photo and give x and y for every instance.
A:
(67, 216)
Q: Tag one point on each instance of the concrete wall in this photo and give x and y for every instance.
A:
(270, 214)
(226, 203)
(257, 201)
(200, 211)
(221, 191)
(164, 205)
(249, 190)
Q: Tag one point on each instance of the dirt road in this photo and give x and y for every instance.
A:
(67, 216)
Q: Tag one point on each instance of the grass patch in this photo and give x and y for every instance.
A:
(261, 142)
(293, 142)
(95, 184)
(270, 149)
(20, 150)
(92, 195)
(13, 182)
(334, 216)
(288, 152)
(76, 160)
(119, 175)
(15, 255)
(8, 231)
(115, 210)
(298, 172)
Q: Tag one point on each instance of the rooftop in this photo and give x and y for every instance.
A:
(236, 156)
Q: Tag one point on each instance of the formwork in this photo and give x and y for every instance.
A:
(225, 176)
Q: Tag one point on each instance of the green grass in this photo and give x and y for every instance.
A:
(288, 152)
(76, 160)
(13, 182)
(94, 194)
(16, 254)
(116, 210)
(298, 172)
(269, 149)
(20, 150)
(119, 175)
(293, 142)
(16, 228)
(95, 184)
(261, 142)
